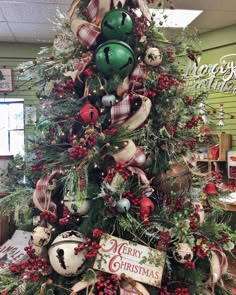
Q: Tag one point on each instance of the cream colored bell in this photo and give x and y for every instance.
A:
(40, 236)
(62, 254)
(183, 253)
(153, 57)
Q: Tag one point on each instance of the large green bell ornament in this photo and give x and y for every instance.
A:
(115, 57)
(117, 24)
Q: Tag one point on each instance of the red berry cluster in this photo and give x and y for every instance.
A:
(148, 93)
(38, 167)
(165, 82)
(121, 168)
(164, 240)
(133, 199)
(141, 24)
(190, 144)
(189, 265)
(188, 100)
(163, 291)
(171, 129)
(174, 204)
(201, 248)
(108, 285)
(90, 246)
(31, 267)
(194, 220)
(48, 216)
(170, 54)
(63, 89)
(66, 216)
(78, 152)
(225, 238)
(91, 141)
(181, 291)
(110, 131)
(193, 122)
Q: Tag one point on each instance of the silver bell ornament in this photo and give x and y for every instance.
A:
(62, 254)
(183, 253)
(40, 236)
(153, 57)
(123, 205)
(108, 100)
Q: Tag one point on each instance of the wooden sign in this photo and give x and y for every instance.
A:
(138, 262)
(6, 80)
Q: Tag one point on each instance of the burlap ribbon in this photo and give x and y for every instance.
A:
(121, 111)
(87, 32)
(132, 156)
(132, 82)
(42, 194)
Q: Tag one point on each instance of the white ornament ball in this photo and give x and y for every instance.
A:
(183, 253)
(40, 236)
(62, 254)
(108, 100)
(153, 57)
(123, 205)
(74, 206)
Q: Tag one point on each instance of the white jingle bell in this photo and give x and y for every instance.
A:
(75, 206)
(108, 100)
(123, 205)
(40, 236)
(153, 57)
(62, 254)
(183, 253)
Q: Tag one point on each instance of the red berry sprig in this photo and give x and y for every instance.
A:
(30, 268)
(108, 285)
(181, 291)
(165, 82)
(78, 152)
(48, 216)
(189, 265)
(90, 246)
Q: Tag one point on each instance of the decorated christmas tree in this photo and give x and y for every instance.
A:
(113, 194)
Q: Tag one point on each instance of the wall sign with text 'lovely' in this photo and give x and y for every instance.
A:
(139, 262)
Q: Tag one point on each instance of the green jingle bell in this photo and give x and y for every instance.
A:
(115, 57)
(117, 24)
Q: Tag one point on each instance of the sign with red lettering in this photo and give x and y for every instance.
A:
(138, 262)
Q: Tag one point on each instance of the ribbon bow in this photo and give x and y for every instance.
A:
(132, 156)
(42, 194)
(121, 111)
(87, 32)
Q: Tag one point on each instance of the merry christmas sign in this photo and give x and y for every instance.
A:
(138, 262)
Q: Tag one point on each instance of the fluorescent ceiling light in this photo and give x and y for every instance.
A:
(175, 18)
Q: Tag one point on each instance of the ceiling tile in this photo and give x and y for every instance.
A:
(5, 32)
(2, 18)
(30, 12)
(68, 2)
(34, 31)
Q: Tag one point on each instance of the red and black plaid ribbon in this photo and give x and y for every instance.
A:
(120, 111)
(42, 195)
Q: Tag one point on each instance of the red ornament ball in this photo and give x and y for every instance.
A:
(88, 113)
(147, 206)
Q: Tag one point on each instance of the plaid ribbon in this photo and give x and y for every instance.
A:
(87, 34)
(42, 194)
(132, 155)
(120, 111)
(132, 82)
(92, 10)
